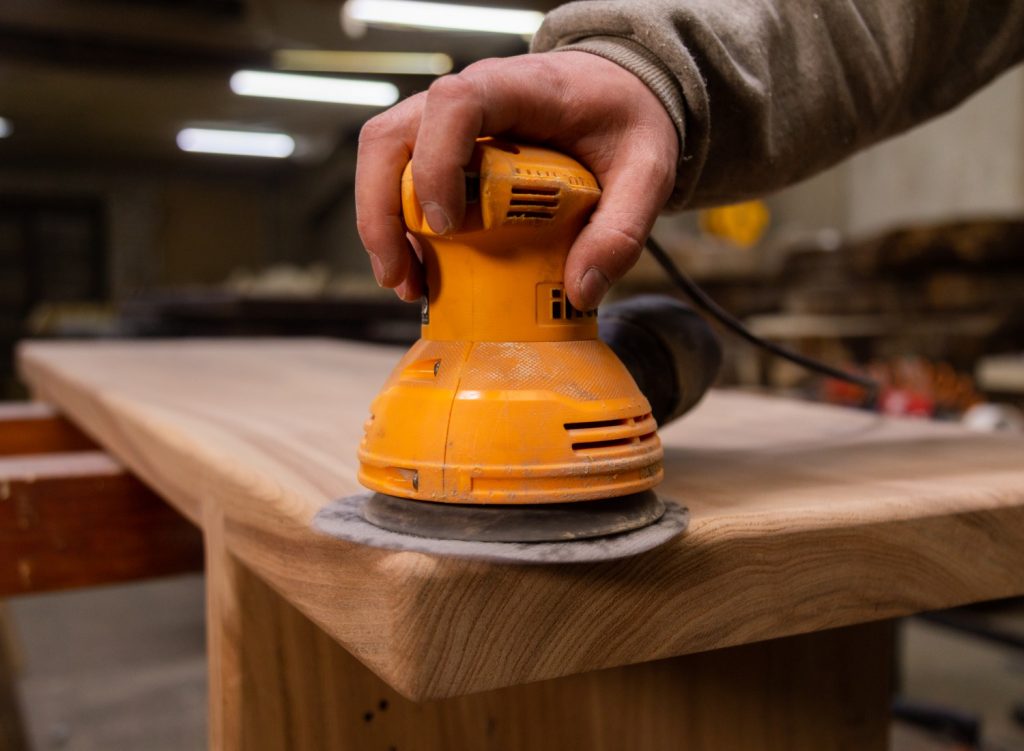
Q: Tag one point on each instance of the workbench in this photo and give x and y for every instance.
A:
(767, 625)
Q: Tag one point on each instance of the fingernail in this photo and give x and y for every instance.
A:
(592, 286)
(378, 268)
(436, 217)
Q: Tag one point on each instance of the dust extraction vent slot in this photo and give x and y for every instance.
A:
(534, 190)
(606, 434)
(610, 443)
(533, 202)
(519, 214)
(596, 424)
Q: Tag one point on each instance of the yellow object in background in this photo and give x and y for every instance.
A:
(742, 224)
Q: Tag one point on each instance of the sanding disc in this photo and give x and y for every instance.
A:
(549, 522)
(345, 519)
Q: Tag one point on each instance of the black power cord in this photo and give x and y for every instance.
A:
(702, 300)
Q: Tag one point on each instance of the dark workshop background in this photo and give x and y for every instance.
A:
(906, 262)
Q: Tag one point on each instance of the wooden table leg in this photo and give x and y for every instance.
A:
(277, 681)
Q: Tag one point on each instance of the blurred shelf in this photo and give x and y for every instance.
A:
(377, 318)
(813, 326)
(1001, 374)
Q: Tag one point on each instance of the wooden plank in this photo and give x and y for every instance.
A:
(80, 519)
(286, 684)
(804, 517)
(34, 428)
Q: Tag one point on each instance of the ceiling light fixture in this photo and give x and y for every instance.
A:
(314, 88)
(236, 142)
(356, 15)
(347, 61)
(5, 127)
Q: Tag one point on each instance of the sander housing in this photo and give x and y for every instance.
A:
(509, 397)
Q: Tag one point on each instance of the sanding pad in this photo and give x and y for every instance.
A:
(495, 522)
(345, 519)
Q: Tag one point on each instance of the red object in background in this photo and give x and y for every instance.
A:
(909, 386)
(904, 402)
(844, 393)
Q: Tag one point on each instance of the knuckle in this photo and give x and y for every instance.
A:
(549, 72)
(451, 88)
(425, 173)
(655, 166)
(364, 227)
(628, 239)
(657, 161)
(395, 123)
(622, 246)
(375, 129)
(491, 65)
(545, 65)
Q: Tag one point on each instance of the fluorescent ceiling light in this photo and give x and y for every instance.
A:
(314, 88)
(5, 127)
(411, 13)
(236, 142)
(346, 61)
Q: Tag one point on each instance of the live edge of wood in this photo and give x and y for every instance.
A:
(804, 517)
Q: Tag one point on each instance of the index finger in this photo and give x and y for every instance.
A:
(385, 147)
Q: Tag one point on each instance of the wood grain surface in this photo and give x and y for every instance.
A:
(284, 684)
(804, 517)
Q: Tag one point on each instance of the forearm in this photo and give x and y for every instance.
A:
(765, 92)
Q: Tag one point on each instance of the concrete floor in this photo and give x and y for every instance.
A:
(114, 667)
(124, 668)
(947, 668)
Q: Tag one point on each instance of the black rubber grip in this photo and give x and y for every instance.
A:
(671, 352)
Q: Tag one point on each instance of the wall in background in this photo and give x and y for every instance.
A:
(967, 163)
(167, 230)
(207, 229)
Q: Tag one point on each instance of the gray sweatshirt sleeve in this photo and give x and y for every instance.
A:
(767, 92)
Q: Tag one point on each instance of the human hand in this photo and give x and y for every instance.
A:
(575, 102)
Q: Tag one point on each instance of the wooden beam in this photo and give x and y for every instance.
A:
(80, 519)
(36, 428)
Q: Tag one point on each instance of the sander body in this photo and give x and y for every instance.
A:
(510, 431)
(509, 397)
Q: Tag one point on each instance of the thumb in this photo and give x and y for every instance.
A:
(610, 244)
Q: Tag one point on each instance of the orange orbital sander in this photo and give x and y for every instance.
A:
(510, 431)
